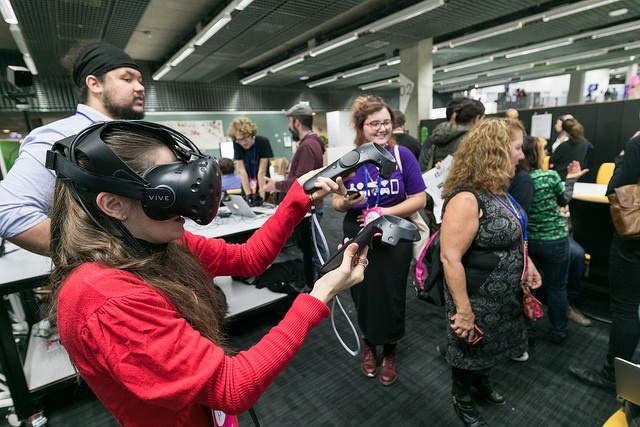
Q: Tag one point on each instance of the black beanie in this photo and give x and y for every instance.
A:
(99, 58)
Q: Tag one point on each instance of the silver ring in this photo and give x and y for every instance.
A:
(363, 262)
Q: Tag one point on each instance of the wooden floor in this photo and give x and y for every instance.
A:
(323, 385)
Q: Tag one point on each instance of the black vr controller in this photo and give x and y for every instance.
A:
(366, 153)
(393, 230)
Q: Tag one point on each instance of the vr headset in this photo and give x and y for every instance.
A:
(189, 187)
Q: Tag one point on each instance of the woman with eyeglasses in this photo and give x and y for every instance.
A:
(380, 298)
(251, 153)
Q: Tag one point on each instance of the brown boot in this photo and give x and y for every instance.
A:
(388, 371)
(369, 365)
(576, 315)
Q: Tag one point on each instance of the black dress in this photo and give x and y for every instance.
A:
(493, 267)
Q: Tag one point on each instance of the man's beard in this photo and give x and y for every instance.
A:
(122, 113)
(295, 135)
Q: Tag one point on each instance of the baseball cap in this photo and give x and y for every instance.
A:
(299, 110)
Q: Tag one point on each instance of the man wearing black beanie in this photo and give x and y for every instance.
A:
(110, 87)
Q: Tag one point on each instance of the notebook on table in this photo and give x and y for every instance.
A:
(627, 380)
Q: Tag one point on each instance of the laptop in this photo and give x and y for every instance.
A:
(238, 206)
(627, 380)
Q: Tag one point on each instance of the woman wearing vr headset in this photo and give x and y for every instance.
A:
(132, 290)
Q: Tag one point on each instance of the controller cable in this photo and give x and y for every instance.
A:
(315, 226)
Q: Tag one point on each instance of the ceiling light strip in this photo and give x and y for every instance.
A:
(286, 63)
(481, 35)
(252, 78)
(337, 42)
(617, 29)
(576, 57)
(28, 60)
(213, 27)
(464, 64)
(361, 70)
(160, 74)
(508, 70)
(380, 83)
(322, 82)
(404, 15)
(182, 55)
(572, 9)
(7, 12)
(538, 48)
(243, 4)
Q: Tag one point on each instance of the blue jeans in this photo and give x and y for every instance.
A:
(552, 259)
(576, 270)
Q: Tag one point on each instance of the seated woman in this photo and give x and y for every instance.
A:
(132, 290)
(231, 182)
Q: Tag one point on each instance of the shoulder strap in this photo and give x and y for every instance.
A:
(396, 154)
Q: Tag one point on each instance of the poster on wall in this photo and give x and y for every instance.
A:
(541, 125)
(206, 134)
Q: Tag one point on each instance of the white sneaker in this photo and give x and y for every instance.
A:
(522, 358)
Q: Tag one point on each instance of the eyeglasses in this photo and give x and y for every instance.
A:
(376, 124)
(247, 138)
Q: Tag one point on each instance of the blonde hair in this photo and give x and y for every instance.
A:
(242, 126)
(539, 145)
(281, 163)
(483, 160)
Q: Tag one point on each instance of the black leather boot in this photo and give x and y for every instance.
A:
(468, 412)
(486, 390)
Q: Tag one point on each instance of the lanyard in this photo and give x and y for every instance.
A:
(366, 186)
(521, 217)
(85, 116)
(255, 160)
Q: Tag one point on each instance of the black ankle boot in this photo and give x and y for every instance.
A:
(468, 412)
(486, 390)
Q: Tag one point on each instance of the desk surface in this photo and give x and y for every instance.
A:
(590, 191)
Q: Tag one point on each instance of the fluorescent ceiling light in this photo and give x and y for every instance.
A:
(28, 60)
(213, 27)
(481, 35)
(405, 14)
(322, 82)
(379, 83)
(605, 64)
(508, 70)
(576, 57)
(252, 78)
(7, 12)
(617, 29)
(286, 63)
(470, 79)
(242, 4)
(394, 61)
(574, 8)
(538, 48)
(19, 38)
(361, 70)
(632, 46)
(337, 42)
(160, 74)
(464, 64)
(188, 51)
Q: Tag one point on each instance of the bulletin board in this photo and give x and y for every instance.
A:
(207, 130)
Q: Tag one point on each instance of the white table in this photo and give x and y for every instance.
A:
(590, 191)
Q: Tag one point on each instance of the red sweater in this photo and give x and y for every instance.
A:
(148, 366)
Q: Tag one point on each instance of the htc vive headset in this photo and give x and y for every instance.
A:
(189, 187)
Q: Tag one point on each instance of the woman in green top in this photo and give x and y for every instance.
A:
(548, 232)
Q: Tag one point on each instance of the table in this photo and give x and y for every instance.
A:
(589, 191)
(46, 364)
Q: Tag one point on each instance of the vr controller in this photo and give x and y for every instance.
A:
(366, 153)
(393, 230)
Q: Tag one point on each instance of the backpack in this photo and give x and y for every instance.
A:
(429, 278)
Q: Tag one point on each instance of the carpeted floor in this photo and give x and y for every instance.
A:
(323, 385)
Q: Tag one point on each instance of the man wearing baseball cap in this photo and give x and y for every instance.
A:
(308, 156)
(109, 86)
